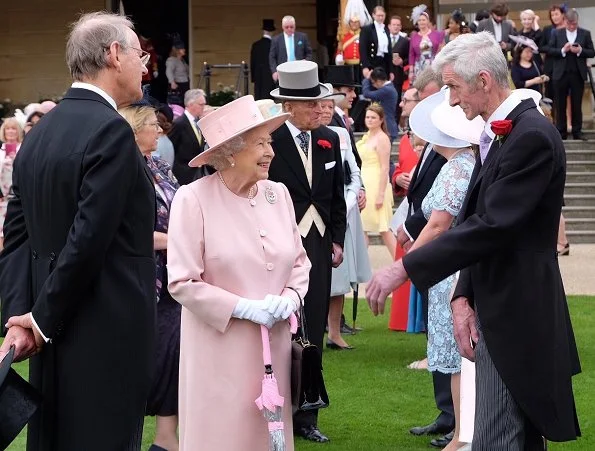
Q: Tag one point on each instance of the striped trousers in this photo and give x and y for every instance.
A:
(500, 424)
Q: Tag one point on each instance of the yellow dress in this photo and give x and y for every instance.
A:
(374, 220)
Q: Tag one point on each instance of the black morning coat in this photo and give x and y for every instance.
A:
(80, 228)
(186, 147)
(260, 72)
(326, 193)
(505, 247)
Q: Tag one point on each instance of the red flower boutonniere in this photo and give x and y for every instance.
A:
(324, 144)
(501, 128)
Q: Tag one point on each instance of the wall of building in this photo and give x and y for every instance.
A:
(32, 42)
(223, 32)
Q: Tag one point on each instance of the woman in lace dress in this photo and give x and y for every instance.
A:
(441, 207)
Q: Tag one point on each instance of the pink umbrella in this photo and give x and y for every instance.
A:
(270, 402)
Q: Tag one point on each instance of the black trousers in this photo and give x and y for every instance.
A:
(319, 249)
(573, 82)
(441, 382)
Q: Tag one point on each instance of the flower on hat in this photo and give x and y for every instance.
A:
(324, 144)
(501, 128)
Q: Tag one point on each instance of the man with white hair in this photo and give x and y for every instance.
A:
(79, 245)
(187, 137)
(509, 308)
(290, 45)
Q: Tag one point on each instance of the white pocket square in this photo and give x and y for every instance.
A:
(329, 165)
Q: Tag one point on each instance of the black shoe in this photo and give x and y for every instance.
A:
(311, 433)
(332, 345)
(580, 136)
(430, 429)
(156, 448)
(442, 442)
(347, 330)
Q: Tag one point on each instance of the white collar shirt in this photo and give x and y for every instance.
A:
(497, 30)
(501, 113)
(96, 90)
(382, 39)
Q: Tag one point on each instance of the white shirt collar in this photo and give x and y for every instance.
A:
(571, 35)
(288, 36)
(96, 90)
(294, 130)
(501, 113)
(339, 111)
(379, 26)
(191, 118)
(496, 24)
(268, 36)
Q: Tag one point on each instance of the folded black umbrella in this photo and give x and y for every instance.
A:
(18, 401)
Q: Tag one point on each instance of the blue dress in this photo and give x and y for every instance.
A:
(447, 194)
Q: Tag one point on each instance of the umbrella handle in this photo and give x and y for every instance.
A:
(266, 346)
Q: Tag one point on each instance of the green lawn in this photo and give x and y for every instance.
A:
(375, 399)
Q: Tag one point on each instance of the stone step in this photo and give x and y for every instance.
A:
(580, 224)
(580, 188)
(580, 177)
(580, 166)
(580, 200)
(580, 154)
(580, 236)
(578, 212)
(579, 145)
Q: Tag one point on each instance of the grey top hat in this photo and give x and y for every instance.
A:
(298, 80)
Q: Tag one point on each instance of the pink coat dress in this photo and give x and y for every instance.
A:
(220, 247)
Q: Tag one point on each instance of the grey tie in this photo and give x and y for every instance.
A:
(484, 146)
(304, 138)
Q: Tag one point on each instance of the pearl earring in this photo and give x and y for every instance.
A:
(233, 164)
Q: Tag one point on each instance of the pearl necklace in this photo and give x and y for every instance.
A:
(251, 192)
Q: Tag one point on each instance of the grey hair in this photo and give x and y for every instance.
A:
(571, 15)
(219, 158)
(471, 53)
(192, 95)
(287, 19)
(425, 77)
(90, 36)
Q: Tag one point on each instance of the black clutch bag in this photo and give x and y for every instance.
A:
(308, 391)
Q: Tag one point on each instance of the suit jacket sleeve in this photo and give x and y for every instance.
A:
(524, 173)
(364, 47)
(367, 91)
(482, 26)
(15, 263)
(416, 223)
(338, 208)
(274, 54)
(464, 286)
(252, 63)
(307, 47)
(588, 51)
(405, 55)
(554, 48)
(109, 171)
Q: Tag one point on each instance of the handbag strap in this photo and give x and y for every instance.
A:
(302, 323)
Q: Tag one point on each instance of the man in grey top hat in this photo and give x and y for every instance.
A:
(308, 161)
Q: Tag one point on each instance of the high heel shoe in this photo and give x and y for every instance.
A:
(565, 250)
(332, 345)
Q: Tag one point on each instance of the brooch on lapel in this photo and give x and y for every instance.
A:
(501, 129)
(299, 42)
(324, 144)
(270, 195)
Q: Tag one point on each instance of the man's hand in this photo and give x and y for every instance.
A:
(275, 76)
(26, 322)
(392, 77)
(24, 342)
(361, 199)
(402, 237)
(403, 180)
(366, 72)
(383, 283)
(566, 47)
(465, 330)
(576, 49)
(174, 85)
(337, 255)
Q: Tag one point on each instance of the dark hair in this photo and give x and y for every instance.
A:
(166, 111)
(482, 14)
(553, 8)
(516, 54)
(379, 74)
(396, 17)
(38, 114)
(378, 8)
(500, 9)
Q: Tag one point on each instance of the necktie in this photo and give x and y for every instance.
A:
(304, 142)
(347, 124)
(393, 40)
(484, 146)
(291, 50)
(198, 133)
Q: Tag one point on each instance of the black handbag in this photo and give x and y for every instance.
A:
(308, 391)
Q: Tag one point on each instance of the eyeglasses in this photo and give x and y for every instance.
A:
(405, 100)
(155, 125)
(144, 56)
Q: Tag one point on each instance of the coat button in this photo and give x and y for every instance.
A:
(270, 266)
(34, 255)
(52, 256)
(263, 232)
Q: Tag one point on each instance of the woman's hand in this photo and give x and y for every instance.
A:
(174, 85)
(379, 202)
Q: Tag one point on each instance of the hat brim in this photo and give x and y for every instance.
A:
(421, 124)
(271, 125)
(324, 92)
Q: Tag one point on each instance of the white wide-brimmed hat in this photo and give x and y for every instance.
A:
(524, 94)
(451, 119)
(298, 80)
(230, 121)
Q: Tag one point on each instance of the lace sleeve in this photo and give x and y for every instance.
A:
(451, 185)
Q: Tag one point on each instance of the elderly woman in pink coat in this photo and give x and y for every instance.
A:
(234, 256)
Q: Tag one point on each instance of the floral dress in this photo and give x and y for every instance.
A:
(5, 185)
(447, 194)
(427, 56)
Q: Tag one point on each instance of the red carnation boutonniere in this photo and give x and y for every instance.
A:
(501, 129)
(324, 144)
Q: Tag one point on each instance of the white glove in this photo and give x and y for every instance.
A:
(255, 311)
(280, 306)
(339, 60)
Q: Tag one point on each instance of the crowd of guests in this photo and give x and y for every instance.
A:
(293, 186)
